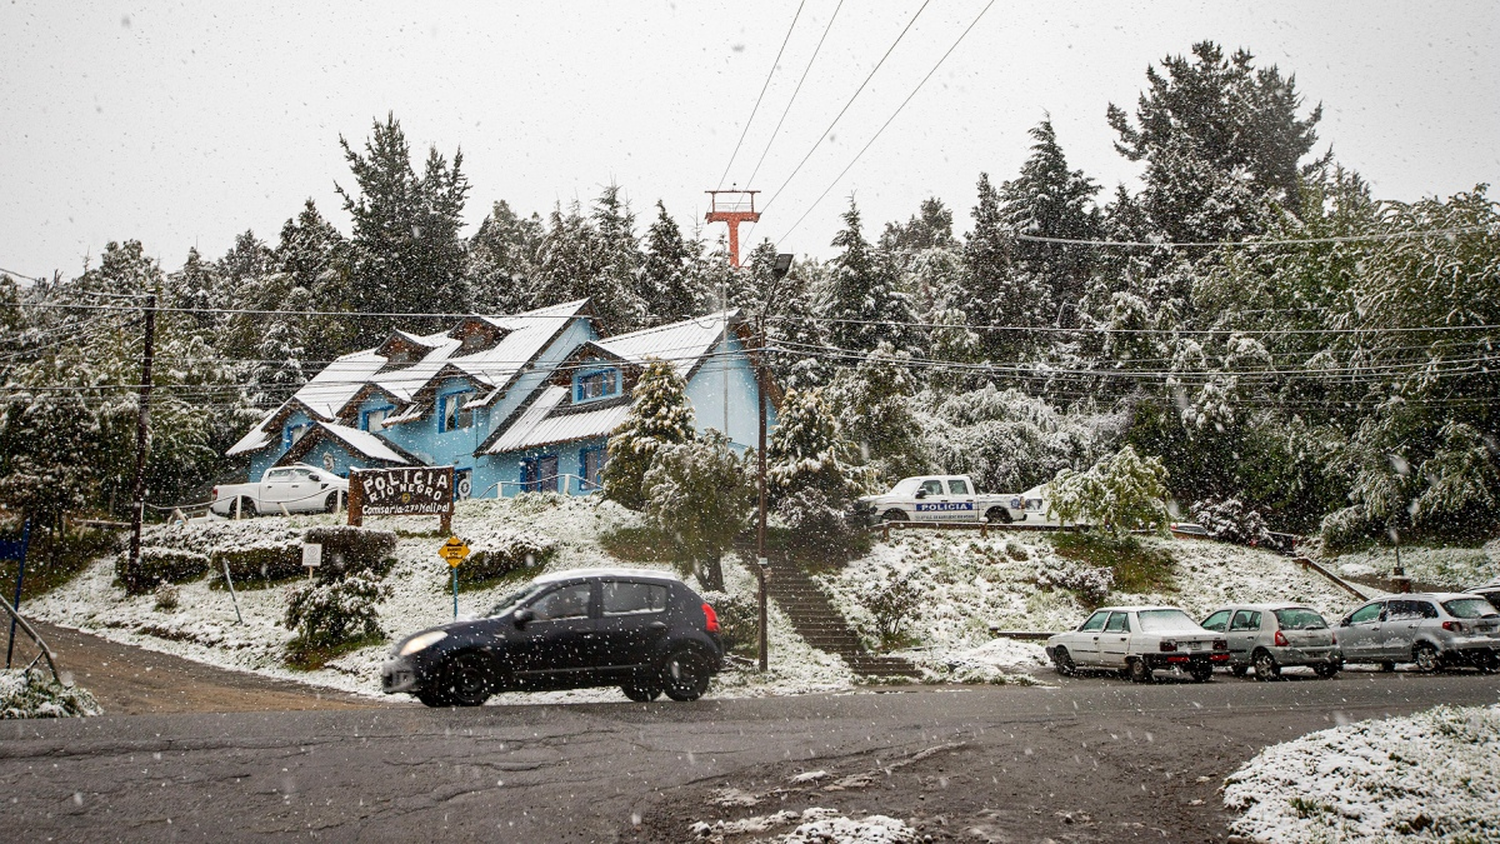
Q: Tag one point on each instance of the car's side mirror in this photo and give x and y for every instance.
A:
(921, 493)
(315, 479)
(522, 616)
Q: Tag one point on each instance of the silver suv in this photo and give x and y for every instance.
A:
(1431, 629)
(1268, 637)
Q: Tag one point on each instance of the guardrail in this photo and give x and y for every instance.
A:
(884, 528)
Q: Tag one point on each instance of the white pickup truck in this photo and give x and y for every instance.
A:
(940, 498)
(298, 488)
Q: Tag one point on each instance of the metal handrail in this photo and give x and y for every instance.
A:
(35, 637)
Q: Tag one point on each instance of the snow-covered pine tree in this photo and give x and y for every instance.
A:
(665, 280)
(698, 493)
(862, 300)
(660, 414)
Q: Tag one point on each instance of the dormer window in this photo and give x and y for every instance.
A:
(452, 413)
(594, 384)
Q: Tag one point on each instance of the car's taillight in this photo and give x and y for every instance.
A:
(214, 494)
(1333, 638)
(1168, 646)
(1221, 644)
(1453, 627)
(1280, 639)
(710, 619)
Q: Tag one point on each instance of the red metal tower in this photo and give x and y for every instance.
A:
(732, 207)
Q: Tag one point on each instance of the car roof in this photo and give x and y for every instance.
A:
(1138, 608)
(1429, 596)
(1281, 605)
(622, 572)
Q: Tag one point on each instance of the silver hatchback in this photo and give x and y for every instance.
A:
(1268, 637)
(1431, 629)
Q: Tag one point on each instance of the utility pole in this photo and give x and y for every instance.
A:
(762, 381)
(142, 443)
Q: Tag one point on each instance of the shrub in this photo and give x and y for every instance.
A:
(1231, 521)
(168, 597)
(504, 552)
(34, 693)
(276, 560)
(1092, 584)
(818, 528)
(353, 550)
(161, 565)
(335, 611)
(739, 621)
(893, 605)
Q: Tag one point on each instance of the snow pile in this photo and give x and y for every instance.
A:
(33, 693)
(1431, 776)
(1448, 568)
(814, 826)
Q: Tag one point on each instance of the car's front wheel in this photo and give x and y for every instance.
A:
(467, 679)
(1327, 670)
(1063, 661)
(893, 515)
(685, 675)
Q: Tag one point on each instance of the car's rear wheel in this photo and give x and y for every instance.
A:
(1387, 666)
(1201, 673)
(1063, 661)
(1426, 657)
(245, 507)
(641, 694)
(685, 675)
(1327, 670)
(1265, 666)
(1139, 671)
(997, 515)
(1239, 670)
(467, 679)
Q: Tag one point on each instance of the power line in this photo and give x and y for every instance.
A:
(771, 73)
(888, 122)
(840, 115)
(784, 112)
(1359, 238)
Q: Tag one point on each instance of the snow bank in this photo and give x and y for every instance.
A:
(1431, 776)
(33, 693)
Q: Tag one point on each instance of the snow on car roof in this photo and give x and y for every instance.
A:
(654, 574)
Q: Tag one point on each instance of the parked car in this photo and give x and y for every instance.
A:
(299, 488)
(1269, 637)
(1431, 629)
(939, 498)
(644, 631)
(1488, 591)
(1137, 641)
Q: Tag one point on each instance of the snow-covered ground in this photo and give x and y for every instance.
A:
(969, 587)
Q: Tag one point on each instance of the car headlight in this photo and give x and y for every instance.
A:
(422, 642)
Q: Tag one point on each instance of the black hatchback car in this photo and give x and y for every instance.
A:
(644, 631)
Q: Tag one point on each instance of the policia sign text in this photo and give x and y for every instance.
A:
(423, 490)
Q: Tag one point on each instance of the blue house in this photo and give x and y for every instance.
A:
(514, 403)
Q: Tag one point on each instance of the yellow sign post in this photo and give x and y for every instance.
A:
(454, 551)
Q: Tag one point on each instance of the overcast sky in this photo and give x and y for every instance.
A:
(184, 124)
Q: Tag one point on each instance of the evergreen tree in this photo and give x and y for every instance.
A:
(659, 415)
(807, 451)
(503, 258)
(1049, 200)
(1219, 137)
(994, 303)
(861, 298)
(873, 403)
(195, 288)
(314, 258)
(930, 228)
(666, 283)
(407, 255)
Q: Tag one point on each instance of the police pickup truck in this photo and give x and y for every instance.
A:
(940, 498)
(297, 488)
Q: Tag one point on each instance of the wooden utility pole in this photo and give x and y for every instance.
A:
(142, 443)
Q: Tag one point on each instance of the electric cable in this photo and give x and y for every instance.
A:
(769, 75)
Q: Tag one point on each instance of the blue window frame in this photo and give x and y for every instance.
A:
(452, 415)
(539, 474)
(293, 432)
(594, 384)
(373, 419)
(590, 469)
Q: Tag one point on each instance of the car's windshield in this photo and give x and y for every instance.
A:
(1469, 608)
(509, 603)
(1156, 621)
(1300, 618)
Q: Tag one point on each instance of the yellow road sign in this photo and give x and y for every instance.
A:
(454, 551)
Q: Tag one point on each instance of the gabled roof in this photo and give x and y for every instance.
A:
(684, 344)
(356, 442)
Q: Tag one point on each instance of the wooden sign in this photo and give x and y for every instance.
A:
(408, 491)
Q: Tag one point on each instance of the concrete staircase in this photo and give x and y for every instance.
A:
(822, 626)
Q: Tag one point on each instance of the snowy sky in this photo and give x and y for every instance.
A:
(182, 124)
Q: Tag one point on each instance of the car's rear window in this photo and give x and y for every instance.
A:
(1468, 608)
(628, 598)
(1300, 618)
(1157, 621)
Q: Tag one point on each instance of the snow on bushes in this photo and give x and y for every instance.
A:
(1091, 584)
(335, 611)
(497, 551)
(352, 550)
(1231, 521)
(33, 693)
(161, 565)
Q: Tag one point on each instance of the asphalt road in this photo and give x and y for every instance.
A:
(1086, 759)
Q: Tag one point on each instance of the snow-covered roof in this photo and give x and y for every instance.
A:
(364, 443)
(256, 440)
(542, 424)
(683, 344)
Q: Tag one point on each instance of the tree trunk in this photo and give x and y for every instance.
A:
(711, 573)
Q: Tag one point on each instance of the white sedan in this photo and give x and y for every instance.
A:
(1137, 641)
